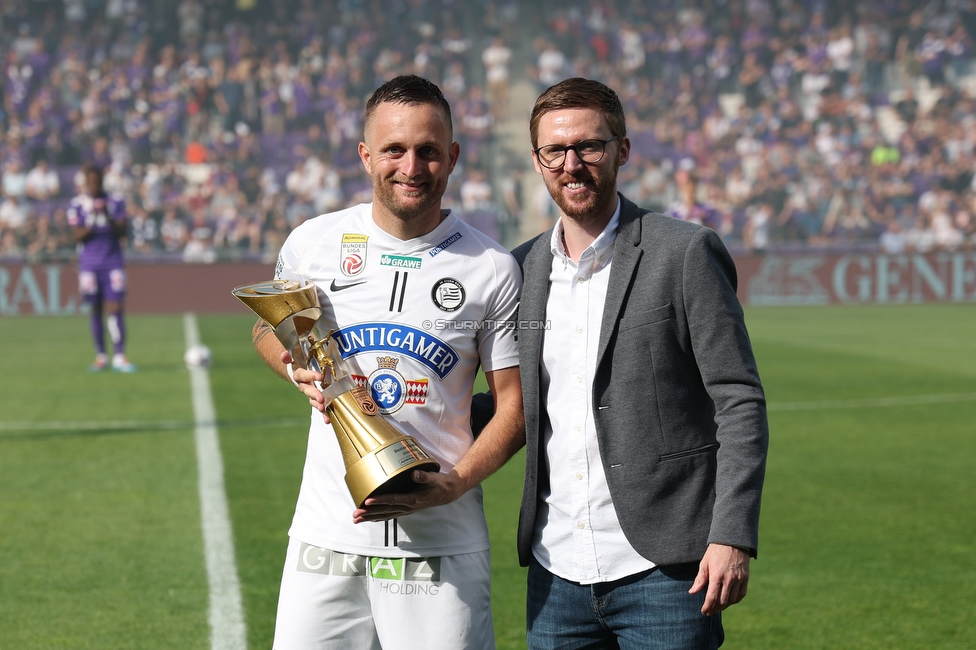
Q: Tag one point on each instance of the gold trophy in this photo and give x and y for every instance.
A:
(379, 458)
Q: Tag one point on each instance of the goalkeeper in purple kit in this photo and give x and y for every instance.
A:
(99, 225)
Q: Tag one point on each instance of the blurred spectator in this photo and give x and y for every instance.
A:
(14, 182)
(42, 182)
(10, 244)
(14, 214)
(199, 248)
(846, 219)
(496, 58)
(196, 153)
(721, 62)
(551, 64)
(476, 124)
(274, 236)
(173, 232)
(455, 45)
(751, 77)
(907, 106)
(45, 240)
(475, 192)
(894, 241)
(325, 185)
(921, 238)
(137, 129)
(688, 206)
(756, 236)
(947, 236)
(840, 51)
(959, 52)
(512, 188)
(930, 55)
(455, 82)
(143, 232)
(799, 218)
(545, 206)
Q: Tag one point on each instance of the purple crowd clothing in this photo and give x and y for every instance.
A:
(304, 92)
(695, 213)
(18, 88)
(102, 250)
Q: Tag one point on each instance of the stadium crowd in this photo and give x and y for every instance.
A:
(225, 123)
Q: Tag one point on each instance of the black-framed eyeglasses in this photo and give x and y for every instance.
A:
(553, 156)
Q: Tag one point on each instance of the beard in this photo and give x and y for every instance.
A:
(591, 205)
(422, 203)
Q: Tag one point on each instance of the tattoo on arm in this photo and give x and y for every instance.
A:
(259, 331)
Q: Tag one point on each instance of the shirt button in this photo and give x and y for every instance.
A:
(579, 379)
(581, 525)
(579, 476)
(578, 427)
(581, 280)
(580, 329)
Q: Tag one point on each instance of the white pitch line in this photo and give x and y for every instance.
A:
(136, 425)
(115, 425)
(876, 402)
(227, 629)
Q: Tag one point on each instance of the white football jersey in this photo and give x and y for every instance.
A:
(414, 320)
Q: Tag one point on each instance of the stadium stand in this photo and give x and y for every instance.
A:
(779, 123)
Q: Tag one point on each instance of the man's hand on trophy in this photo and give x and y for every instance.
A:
(435, 489)
(307, 382)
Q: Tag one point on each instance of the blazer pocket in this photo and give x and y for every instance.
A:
(689, 452)
(648, 317)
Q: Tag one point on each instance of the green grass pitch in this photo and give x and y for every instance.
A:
(868, 522)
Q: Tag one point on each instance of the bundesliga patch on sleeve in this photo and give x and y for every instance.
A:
(352, 254)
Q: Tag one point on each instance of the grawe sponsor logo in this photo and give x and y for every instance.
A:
(401, 261)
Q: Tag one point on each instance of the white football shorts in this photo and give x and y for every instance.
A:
(342, 601)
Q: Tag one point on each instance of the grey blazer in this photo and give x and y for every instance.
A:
(679, 409)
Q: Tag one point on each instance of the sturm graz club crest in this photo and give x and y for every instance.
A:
(389, 389)
(447, 294)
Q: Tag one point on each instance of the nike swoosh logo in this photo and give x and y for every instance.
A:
(340, 287)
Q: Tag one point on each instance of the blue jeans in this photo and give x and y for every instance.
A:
(647, 611)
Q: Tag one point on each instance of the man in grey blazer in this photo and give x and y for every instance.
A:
(646, 430)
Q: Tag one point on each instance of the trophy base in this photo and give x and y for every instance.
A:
(387, 470)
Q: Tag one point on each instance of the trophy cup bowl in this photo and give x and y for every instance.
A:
(379, 458)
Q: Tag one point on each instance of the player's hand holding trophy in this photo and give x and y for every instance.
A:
(379, 458)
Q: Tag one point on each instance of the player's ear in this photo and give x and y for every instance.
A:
(364, 156)
(455, 153)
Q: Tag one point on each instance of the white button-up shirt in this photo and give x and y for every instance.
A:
(578, 535)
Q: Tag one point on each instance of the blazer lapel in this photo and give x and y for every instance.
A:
(626, 254)
(535, 288)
